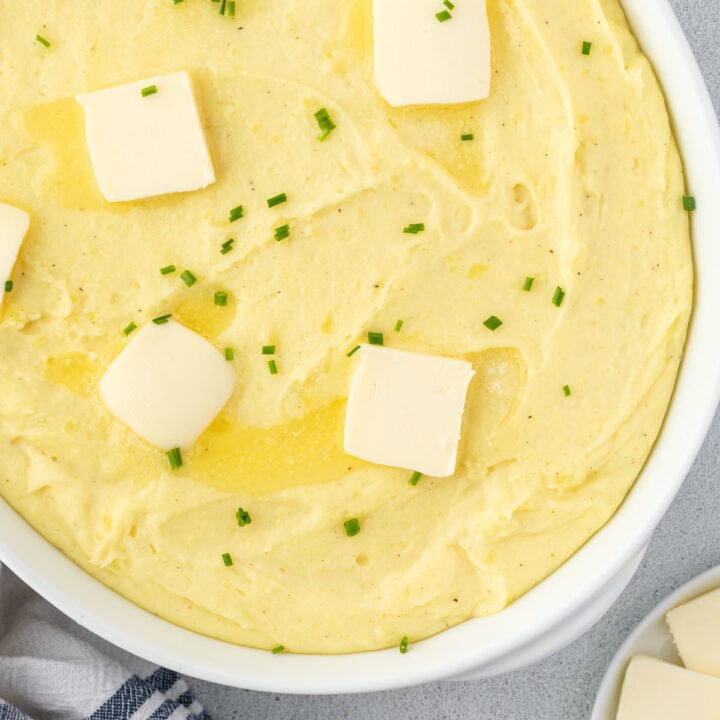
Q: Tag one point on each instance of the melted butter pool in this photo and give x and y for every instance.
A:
(304, 451)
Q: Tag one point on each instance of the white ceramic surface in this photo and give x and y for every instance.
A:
(574, 625)
(651, 637)
(557, 610)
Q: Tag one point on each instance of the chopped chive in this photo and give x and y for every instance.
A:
(236, 213)
(162, 319)
(443, 16)
(324, 122)
(9, 285)
(689, 203)
(223, 5)
(229, 354)
(282, 232)
(414, 228)
(415, 478)
(132, 326)
(231, 8)
(277, 650)
(43, 41)
(398, 325)
(149, 90)
(243, 517)
(175, 458)
(448, 5)
(268, 349)
(188, 278)
(322, 116)
(493, 323)
(227, 246)
(167, 270)
(227, 559)
(404, 645)
(177, 2)
(566, 390)
(527, 285)
(272, 366)
(376, 338)
(558, 297)
(352, 527)
(467, 136)
(586, 48)
(277, 200)
(353, 351)
(221, 298)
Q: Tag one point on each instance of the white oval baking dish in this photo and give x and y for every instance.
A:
(559, 609)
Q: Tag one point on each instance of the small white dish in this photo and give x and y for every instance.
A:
(651, 637)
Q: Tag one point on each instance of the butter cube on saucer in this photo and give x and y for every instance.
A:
(168, 385)
(655, 690)
(695, 627)
(145, 138)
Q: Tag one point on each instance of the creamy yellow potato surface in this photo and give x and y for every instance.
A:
(572, 178)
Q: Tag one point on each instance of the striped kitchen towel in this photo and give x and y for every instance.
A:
(52, 669)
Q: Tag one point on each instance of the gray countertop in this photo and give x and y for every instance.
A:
(562, 687)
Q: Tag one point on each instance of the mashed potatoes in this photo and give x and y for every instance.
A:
(572, 178)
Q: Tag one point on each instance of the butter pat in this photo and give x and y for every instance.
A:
(405, 409)
(420, 60)
(168, 385)
(655, 690)
(695, 627)
(14, 224)
(146, 145)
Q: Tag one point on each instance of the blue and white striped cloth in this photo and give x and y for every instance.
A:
(52, 669)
